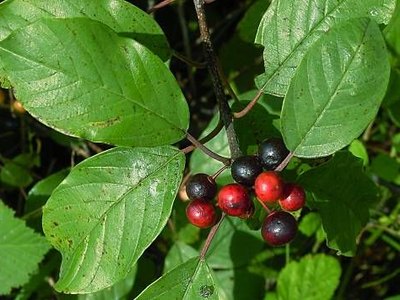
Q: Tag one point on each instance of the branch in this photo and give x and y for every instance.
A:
(249, 106)
(210, 237)
(213, 68)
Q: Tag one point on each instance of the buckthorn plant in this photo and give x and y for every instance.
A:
(200, 149)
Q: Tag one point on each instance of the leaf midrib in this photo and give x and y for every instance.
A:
(329, 102)
(294, 50)
(118, 201)
(93, 83)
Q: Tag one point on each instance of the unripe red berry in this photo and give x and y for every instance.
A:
(279, 228)
(234, 200)
(268, 186)
(201, 213)
(293, 197)
(201, 186)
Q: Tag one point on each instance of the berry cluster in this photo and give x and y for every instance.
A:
(252, 173)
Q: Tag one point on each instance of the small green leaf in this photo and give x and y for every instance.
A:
(123, 17)
(178, 254)
(16, 172)
(342, 194)
(337, 89)
(386, 167)
(309, 224)
(312, 278)
(227, 251)
(287, 33)
(79, 77)
(358, 149)
(189, 281)
(20, 251)
(107, 211)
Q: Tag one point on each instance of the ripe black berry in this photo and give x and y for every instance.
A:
(279, 228)
(271, 153)
(201, 213)
(245, 169)
(201, 186)
(234, 200)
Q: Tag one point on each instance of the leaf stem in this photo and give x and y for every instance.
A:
(210, 237)
(160, 5)
(284, 163)
(226, 161)
(216, 174)
(205, 139)
(187, 60)
(264, 206)
(214, 70)
(247, 109)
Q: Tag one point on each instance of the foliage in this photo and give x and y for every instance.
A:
(94, 169)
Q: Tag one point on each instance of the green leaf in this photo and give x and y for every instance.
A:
(202, 163)
(386, 167)
(189, 281)
(392, 31)
(309, 224)
(227, 251)
(16, 172)
(312, 278)
(358, 149)
(118, 291)
(342, 194)
(247, 27)
(337, 89)
(178, 254)
(20, 251)
(287, 33)
(107, 211)
(79, 77)
(123, 17)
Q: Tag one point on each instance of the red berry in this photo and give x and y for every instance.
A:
(234, 200)
(293, 197)
(268, 186)
(201, 213)
(279, 228)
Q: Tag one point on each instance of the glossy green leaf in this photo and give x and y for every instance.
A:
(289, 28)
(189, 281)
(121, 16)
(107, 211)
(178, 254)
(343, 195)
(105, 88)
(392, 31)
(247, 27)
(227, 251)
(312, 278)
(337, 89)
(118, 291)
(20, 250)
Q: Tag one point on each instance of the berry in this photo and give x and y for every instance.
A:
(201, 186)
(293, 197)
(201, 213)
(245, 169)
(234, 200)
(279, 228)
(268, 186)
(271, 153)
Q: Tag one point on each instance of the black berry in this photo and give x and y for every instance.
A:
(201, 213)
(245, 169)
(271, 153)
(279, 228)
(201, 186)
